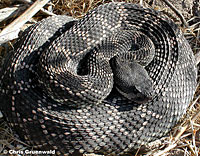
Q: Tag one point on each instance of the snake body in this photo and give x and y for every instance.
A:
(61, 88)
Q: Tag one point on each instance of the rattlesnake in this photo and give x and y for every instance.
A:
(65, 85)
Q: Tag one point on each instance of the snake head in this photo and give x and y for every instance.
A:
(132, 80)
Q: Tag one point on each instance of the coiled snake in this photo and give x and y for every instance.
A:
(118, 78)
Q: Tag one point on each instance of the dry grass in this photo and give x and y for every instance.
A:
(183, 140)
(78, 8)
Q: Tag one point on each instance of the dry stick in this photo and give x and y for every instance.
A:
(176, 12)
(195, 101)
(47, 12)
(141, 2)
(12, 30)
(42, 9)
(193, 138)
(165, 150)
(190, 147)
(9, 12)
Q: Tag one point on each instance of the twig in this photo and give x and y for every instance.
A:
(176, 12)
(190, 147)
(193, 137)
(47, 12)
(195, 116)
(171, 146)
(197, 125)
(42, 9)
(9, 12)
(195, 101)
(13, 28)
(141, 2)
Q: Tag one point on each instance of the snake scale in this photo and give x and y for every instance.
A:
(109, 83)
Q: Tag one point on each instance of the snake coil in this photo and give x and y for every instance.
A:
(118, 78)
